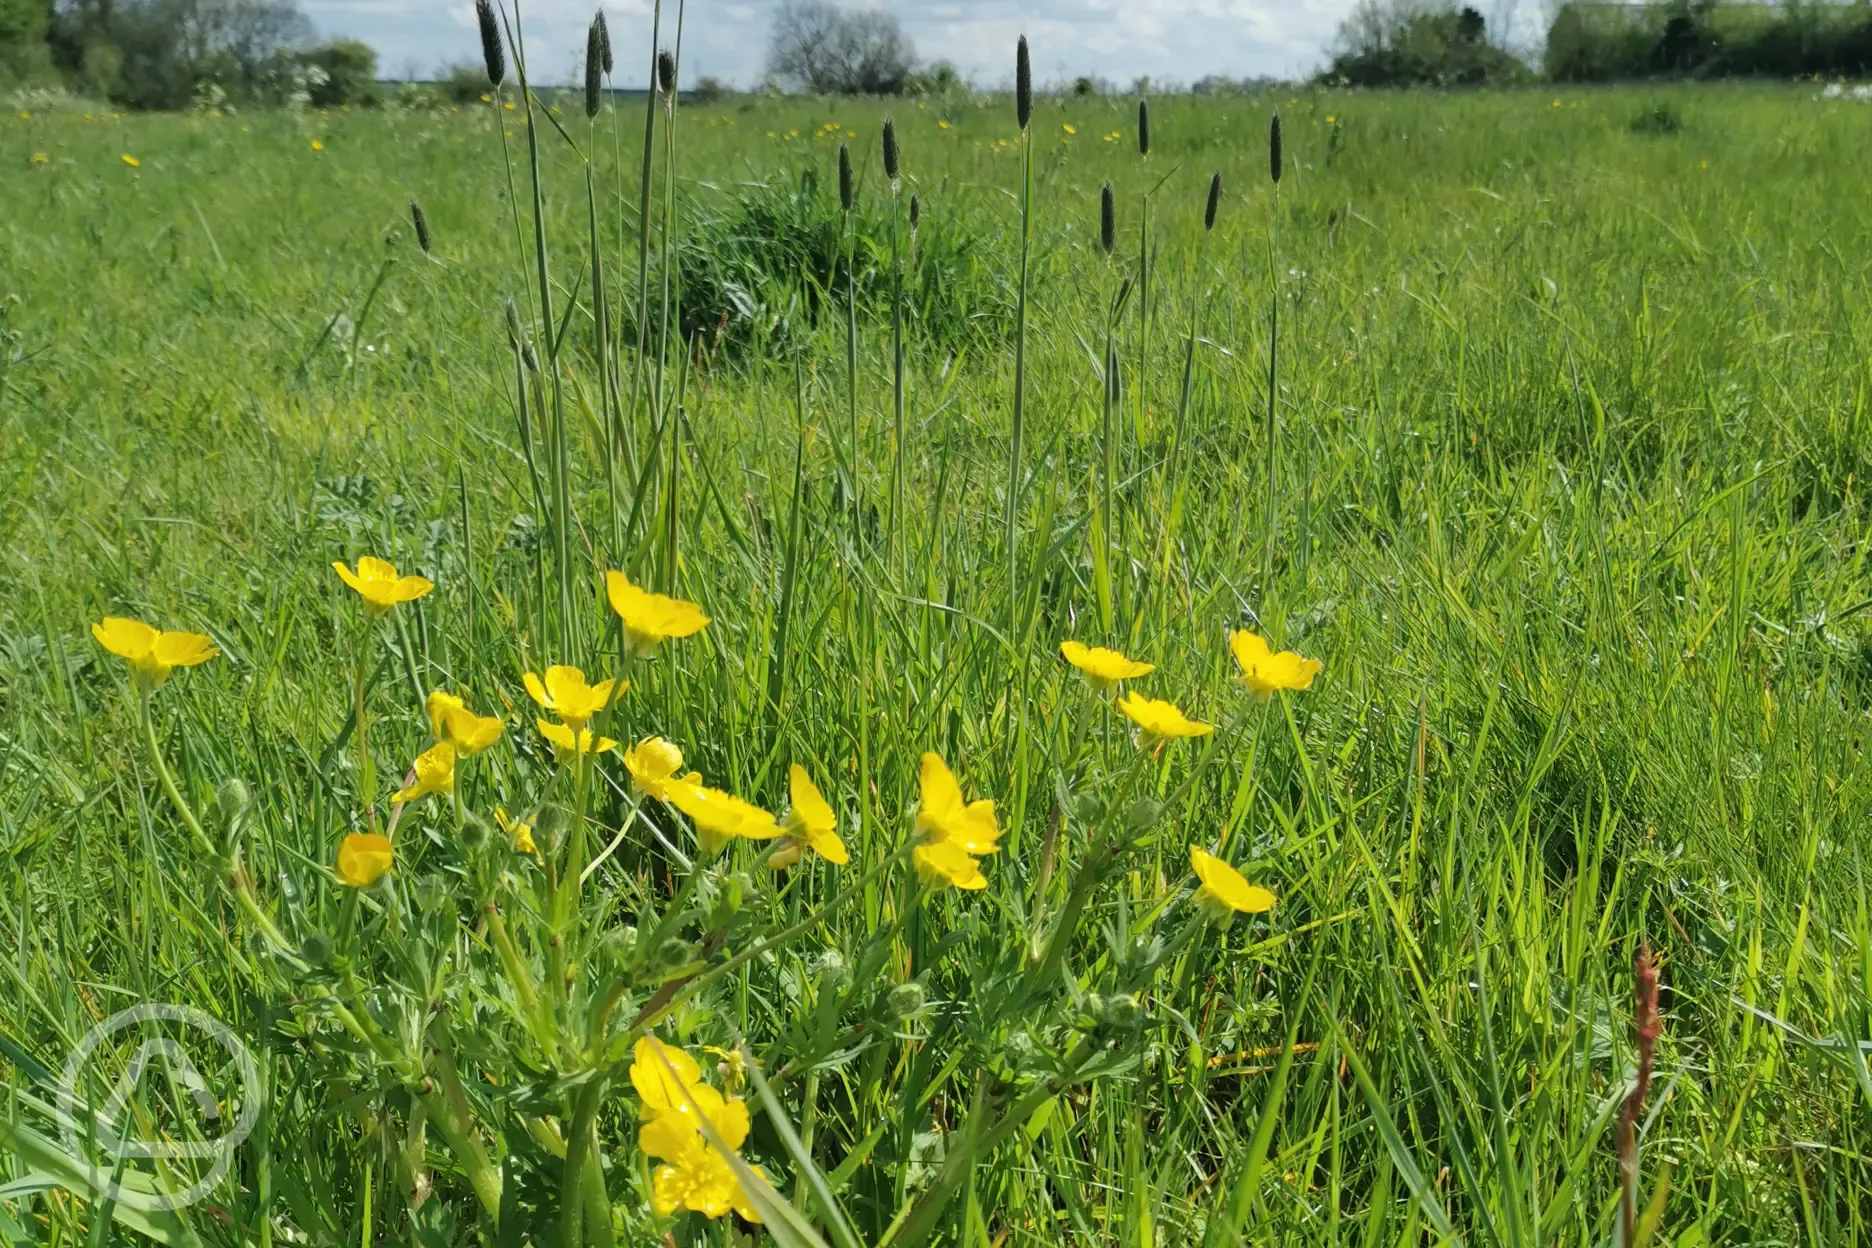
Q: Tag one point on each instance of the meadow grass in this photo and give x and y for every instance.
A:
(1568, 473)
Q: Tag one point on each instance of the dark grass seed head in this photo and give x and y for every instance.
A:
(491, 50)
(604, 42)
(1108, 218)
(916, 211)
(594, 68)
(890, 150)
(666, 71)
(1023, 84)
(1143, 127)
(1215, 201)
(421, 222)
(845, 177)
(1274, 149)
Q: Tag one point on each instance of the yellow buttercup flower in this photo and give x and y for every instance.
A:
(39, 158)
(363, 857)
(949, 863)
(694, 1176)
(453, 722)
(565, 693)
(574, 741)
(652, 763)
(1224, 891)
(651, 618)
(719, 817)
(952, 831)
(1103, 668)
(1264, 671)
(810, 824)
(317, 146)
(518, 831)
(379, 584)
(1159, 721)
(435, 773)
(132, 161)
(151, 653)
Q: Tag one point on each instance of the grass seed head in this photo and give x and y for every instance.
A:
(916, 211)
(421, 222)
(890, 151)
(1215, 201)
(1108, 218)
(594, 67)
(845, 177)
(1274, 149)
(666, 71)
(1023, 84)
(491, 50)
(604, 42)
(1143, 127)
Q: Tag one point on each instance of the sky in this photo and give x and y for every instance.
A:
(1170, 41)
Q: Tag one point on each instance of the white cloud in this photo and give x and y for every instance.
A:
(1168, 40)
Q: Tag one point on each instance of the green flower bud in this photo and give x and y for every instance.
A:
(906, 1001)
(476, 832)
(552, 828)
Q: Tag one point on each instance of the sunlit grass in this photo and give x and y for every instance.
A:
(1570, 425)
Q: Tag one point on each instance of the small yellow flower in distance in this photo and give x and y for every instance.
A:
(1331, 120)
(151, 654)
(942, 125)
(719, 817)
(568, 740)
(1264, 671)
(132, 161)
(650, 618)
(317, 146)
(652, 763)
(1158, 720)
(1068, 128)
(435, 773)
(676, 1102)
(40, 158)
(453, 722)
(363, 857)
(1103, 668)
(952, 831)
(378, 583)
(1224, 892)
(565, 693)
(810, 824)
(25, 116)
(518, 831)
(486, 98)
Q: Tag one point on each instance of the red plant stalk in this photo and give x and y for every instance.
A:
(1648, 1026)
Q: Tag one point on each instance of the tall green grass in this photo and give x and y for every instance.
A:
(1570, 503)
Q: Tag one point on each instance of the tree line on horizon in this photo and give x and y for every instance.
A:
(172, 54)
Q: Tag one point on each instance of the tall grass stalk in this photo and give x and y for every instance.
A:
(1023, 110)
(1272, 433)
(847, 193)
(892, 172)
(639, 364)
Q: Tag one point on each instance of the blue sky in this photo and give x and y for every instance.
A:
(1169, 40)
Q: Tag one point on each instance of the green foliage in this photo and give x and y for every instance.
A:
(765, 264)
(1573, 444)
(1591, 42)
(24, 57)
(1437, 46)
(347, 73)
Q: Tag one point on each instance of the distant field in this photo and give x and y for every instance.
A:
(1568, 495)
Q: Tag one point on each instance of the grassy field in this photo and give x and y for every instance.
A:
(1564, 485)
